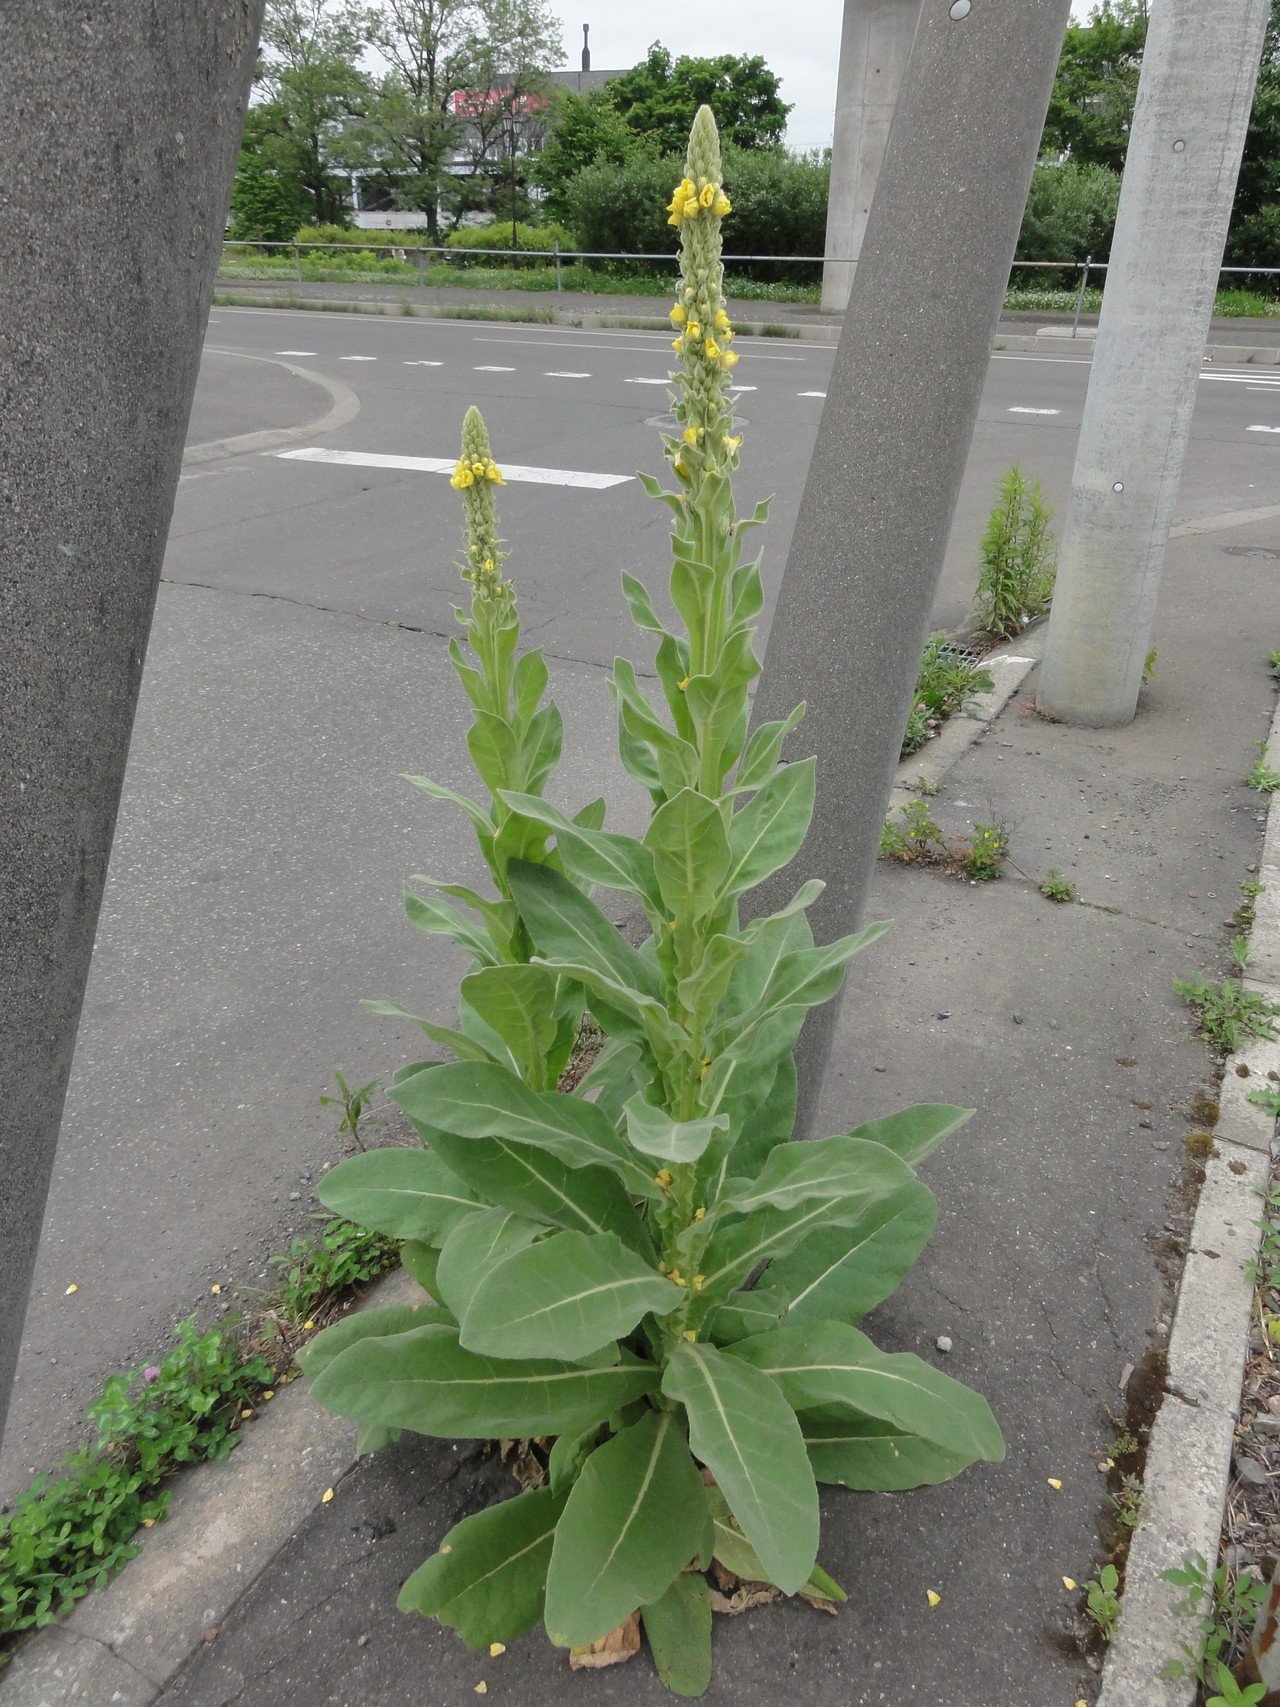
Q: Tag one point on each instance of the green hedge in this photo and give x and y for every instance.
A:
(498, 236)
(1071, 213)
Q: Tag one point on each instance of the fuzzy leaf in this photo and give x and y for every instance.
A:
(653, 1132)
(519, 1003)
(491, 741)
(529, 683)
(488, 1581)
(678, 1629)
(461, 1045)
(477, 814)
(473, 1246)
(768, 832)
(566, 926)
(743, 1315)
(821, 1365)
(634, 1519)
(914, 1133)
(320, 1352)
(858, 1451)
(426, 1381)
(747, 1435)
(690, 852)
(565, 1297)
(731, 1547)
(540, 750)
(642, 611)
(764, 749)
(594, 856)
(409, 1194)
(419, 1261)
(438, 918)
(842, 1272)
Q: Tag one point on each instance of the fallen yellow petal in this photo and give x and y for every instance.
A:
(215, 1287)
(1107, 1464)
(482, 1688)
(246, 1413)
(326, 1496)
(1070, 1583)
(496, 1648)
(268, 1393)
(1055, 1484)
(308, 1327)
(148, 1523)
(72, 1288)
(932, 1596)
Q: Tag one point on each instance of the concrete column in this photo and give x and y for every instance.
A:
(1198, 73)
(872, 528)
(119, 128)
(875, 44)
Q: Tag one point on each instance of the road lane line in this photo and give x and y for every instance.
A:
(737, 388)
(555, 375)
(488, 368)
(811, 394)
(513, 473)
(650, 382)
(1017, 409)
(1262, 429)
(357, 358)
(424, 364)
(296, 352)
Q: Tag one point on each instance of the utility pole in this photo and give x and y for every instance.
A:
(119, 128)
(1199, 68)
(875, 44)
(872, 528)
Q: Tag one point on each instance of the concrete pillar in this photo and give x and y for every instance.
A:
(119, 129)
(872, 528)
(1198, 73)
(875, 43)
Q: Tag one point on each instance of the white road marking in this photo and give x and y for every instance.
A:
(1262, 429)
(1263, 381)
(554, 375)
(357, 358)
(424, 364)
(489, 369)
(297, 352)
(755, 355)
(811, 394)
(736, 388)
(649, 382)
(1017, 409)
(511, 472)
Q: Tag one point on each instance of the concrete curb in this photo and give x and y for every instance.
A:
(124, 1643)
(344, 406)
(1189, 1456)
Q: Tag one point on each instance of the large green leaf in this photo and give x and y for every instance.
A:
(426, 1381)
(678, 1628)
(802, 1186)
(913, 1133)
(764, 749)
(842, 1272)
(747, 1435)
(491, 741)
(461, 1045)
(529, 683)
(821, 1365)
(594, 856)
(731, 1547)
(566, 926)
(537, 1184)
(653, 1132)
(481, 1100)
(366, 1324)
(634, 1519)
(419, 1261)
(857, 1451)
(519, 1002)
(565, 1297)
(541, 746)
(475, 1245)
(743, 1315)
(768, 832)
(690, 852)
(477, 814)
(770, 1122)
(438, 918)
(489, 1579)
(408, 1194)
(702, 991)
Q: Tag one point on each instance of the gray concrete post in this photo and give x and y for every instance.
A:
(119, 129)
(1198, 73)
(875, 44)
(872, 528)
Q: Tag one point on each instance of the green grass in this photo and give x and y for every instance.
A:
(1230, 304)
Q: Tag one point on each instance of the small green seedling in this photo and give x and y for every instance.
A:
(987, 852)
(352, 1103)
(1149, 666)
(1055, 887)
(1266, 1097)
(1128, 1502)
(1102, 1602)
(1233, 1694)
(1263, 1270)
(1229, 1013)
(1225, 1608)
(1261, 776)
(1273, 663)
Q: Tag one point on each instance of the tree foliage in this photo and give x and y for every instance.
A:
(585, 130)
(310, 70)
(659, 97)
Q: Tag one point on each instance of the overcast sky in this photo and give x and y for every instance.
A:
(800, 43)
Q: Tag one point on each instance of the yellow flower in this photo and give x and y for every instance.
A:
(721, 205)
(699, 1214)
(495, 474)
(693, 330)
(706, 1066)
(729, 359)
(721, 320)
(677, 315)
(682, 684)
(712, 349)
(699, 1281)
(731, 442)
(691, 435)
(677, 344)
(663, 1178)
(680, 467)
(674, 220)
(677, 1277)
(690, 1334)
(477, 468)
(708, 195)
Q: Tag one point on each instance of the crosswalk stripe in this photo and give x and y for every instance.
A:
(513, 473)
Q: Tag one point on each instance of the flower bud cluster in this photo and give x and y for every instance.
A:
(475, 475)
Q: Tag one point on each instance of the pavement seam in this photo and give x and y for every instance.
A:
(1189, 1458)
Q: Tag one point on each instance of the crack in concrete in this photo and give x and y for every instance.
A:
(379, 621)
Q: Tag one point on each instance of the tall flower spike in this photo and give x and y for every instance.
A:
(475, 475)
(704, 334)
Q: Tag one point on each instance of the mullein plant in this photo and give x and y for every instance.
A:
(594, 1258)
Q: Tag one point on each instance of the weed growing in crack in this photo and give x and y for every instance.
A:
(1102, 1602)
(1055, 887)
(1224, 1607)
(352, 1103)
(1228, 1012)
(916, 838)
(1260, 774)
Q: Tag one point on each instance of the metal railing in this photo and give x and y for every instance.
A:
(414, 254)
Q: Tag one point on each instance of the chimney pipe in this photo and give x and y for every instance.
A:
(586, 48)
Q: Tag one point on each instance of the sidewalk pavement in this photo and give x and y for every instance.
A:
(1063, 1213)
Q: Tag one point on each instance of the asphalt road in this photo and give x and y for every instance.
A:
(297, 668)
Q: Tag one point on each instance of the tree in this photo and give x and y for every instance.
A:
(268, 203)
(585, 130)
(315, 84)
(659, 97)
